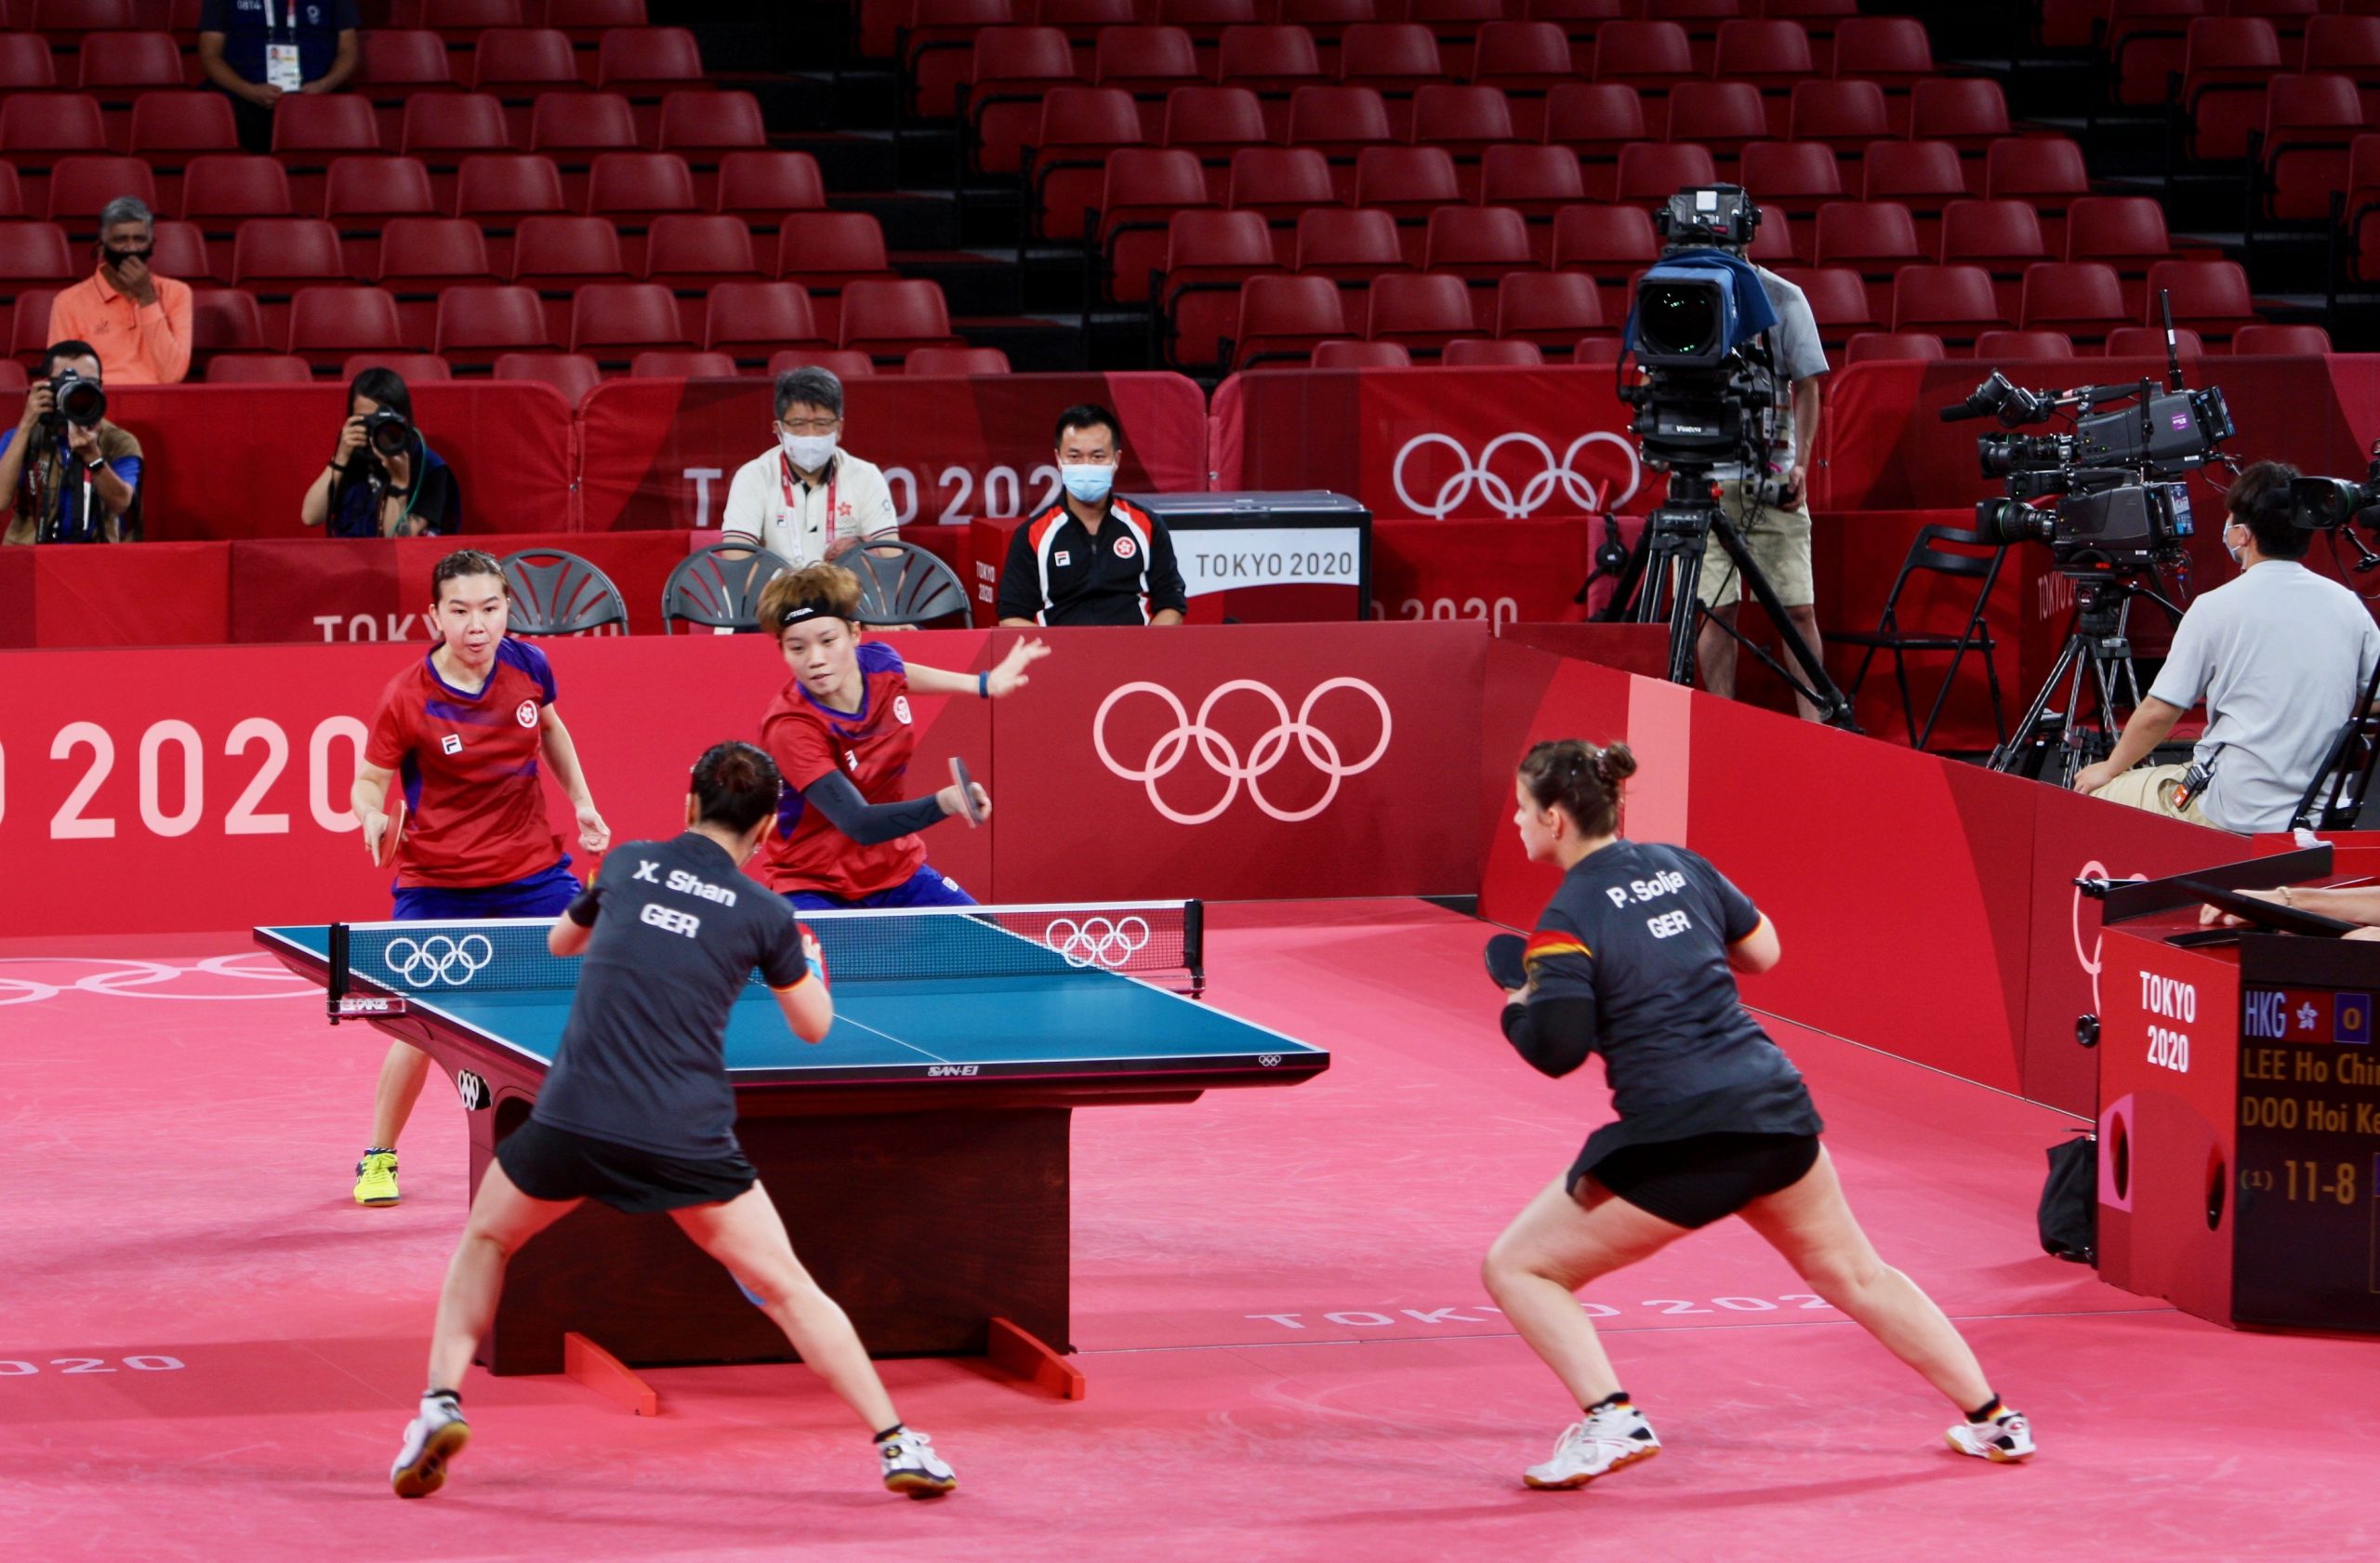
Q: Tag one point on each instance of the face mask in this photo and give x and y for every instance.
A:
(1087, 483)
(2239, 556)
(809, 452)
(118, 257)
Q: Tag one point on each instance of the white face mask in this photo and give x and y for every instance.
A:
(809, 452)
(2238, 555)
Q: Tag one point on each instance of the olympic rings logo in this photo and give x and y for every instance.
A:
(1097, 941)
(1268, 752)
(2089, 959)
(1534, 494)
(440, 958)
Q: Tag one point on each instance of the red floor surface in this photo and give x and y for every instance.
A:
(207, 1351)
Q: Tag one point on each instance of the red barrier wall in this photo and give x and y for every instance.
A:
(236, 460)
(659, 453)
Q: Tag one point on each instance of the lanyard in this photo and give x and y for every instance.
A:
(801, 507)
(271, 24)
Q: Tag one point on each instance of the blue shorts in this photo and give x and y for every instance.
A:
(541, 894)
(928, 887)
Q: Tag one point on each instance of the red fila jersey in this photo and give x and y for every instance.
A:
(474, 799)
(871, 746)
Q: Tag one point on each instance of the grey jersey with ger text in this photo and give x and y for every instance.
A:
(678, 931)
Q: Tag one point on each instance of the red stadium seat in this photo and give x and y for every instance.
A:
(430, 253)
(377, 188)
(2308, 123)
(83, 16)
(1529, 61)
(461, 21)
(1406, 182)
(2149, 341)
(1338, 120)
(1954, 302)
(2117, 229)
(1968, 112)
(503, 188)
(956, 361)
(2012, 346)
(326, 324)
(1479, 353)
(1209, 256)
(413, 367)
(1845, 115)
(12, 192)
(634, 187)
(647, 62)
(2225, 62)
(556, 255)
(1547, 308)
(614, 321)
(1466, 121)
(2083, 298)
(1838, 301)
(397, 62)
(694, 254)
(1770, 54)
(682, 364)
(1725, 116)
(1144, 186)
(1610, 243)
(1796, 177)
(1011, 70)
(1873, 237)
(1079, 126)
(1348, 246)
(25, 63)
(844, 365)
(1654, 171)
(1926, 175)
(1393, 57)
(586, 20)
(35, 254)
(259, 368)
(1146, 62)
(1423, 312)
(2144, 46)
(938, 47)
(2281, 340)
(80, 186)
(309, 125)
(1349, 353)
(572, 373)
(1481, 245)
(454, 123)
(1891, 51)
(2211, 297)
(1776, 242)
(761, 187)
(2004, 237)
(271, 254)
(1279, 182)
(752, 320)
(520, 62)
(825, 252)
(178, 122)
(2047, 172)
(711, 123)
(889, 319)
(1285, 317)
(129, 65)
(1879, 346)
(1268, 58)
(225, 320)
(1535, 181)
(1597, 121)
(1207, 122)
(47, 123)
(582, 124)
(1652, 56)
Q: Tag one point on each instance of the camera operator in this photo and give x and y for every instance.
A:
(138, 323)
(808, 500)
(67, 473)
(258, 51)
(2280, 656)
(383, 481)
(1776, 531)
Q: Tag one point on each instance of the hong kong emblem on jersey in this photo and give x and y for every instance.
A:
(1125, 548)
(901, 708)
(527, 713)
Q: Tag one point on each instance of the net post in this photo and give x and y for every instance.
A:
(335, 988)
(1193, 944)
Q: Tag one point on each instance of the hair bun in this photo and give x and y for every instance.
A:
(1615, 764)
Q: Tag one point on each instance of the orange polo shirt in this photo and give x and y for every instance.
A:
(140, 344)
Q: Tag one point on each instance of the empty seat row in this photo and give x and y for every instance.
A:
(463, 18)
(574, 373)
(2130, 341)
(638, 59)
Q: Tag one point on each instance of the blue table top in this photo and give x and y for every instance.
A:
(1067, 1022)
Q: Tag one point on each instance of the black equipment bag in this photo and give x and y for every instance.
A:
(2070, 1212)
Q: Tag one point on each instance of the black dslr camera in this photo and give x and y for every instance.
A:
(78, 399)
(388, 433)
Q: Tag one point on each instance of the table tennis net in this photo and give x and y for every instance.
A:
(1139, 939)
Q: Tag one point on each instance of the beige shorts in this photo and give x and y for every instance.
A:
(1780, 542)
(2154, 788)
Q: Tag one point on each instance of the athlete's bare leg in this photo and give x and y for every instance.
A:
(502, 1219)
(1557, 1244)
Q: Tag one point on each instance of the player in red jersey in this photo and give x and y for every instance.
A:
(840, 731)
(465, 727)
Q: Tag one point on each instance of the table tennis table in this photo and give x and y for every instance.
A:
(919, 1154)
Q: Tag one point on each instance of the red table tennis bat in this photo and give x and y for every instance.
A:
(966, 780)
(386, 852)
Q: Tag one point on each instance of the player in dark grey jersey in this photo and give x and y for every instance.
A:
(637, 1110)
(1634, 958)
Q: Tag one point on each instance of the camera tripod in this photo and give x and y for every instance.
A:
(1668, 561)
(2098, 653)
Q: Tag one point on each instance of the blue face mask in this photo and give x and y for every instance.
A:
(1087, 483)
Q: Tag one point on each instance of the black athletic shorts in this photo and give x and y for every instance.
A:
(1695, 1182)
(548, 1163)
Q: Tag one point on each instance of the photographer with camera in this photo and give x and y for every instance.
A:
(67, 473)
(1771, 508)
(136, 322)
(383, 481)
(2280, 657)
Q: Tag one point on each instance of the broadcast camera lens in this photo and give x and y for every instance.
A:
(389, 432)
(1678, 321)
(79, 401)
(2006, 520)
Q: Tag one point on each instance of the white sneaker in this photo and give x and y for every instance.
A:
(912, 1466)
(431, 1438)
(2007, 1436)
(1600, 1444)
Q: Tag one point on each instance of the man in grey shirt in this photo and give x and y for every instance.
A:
(2280, 657)
(1777, 535)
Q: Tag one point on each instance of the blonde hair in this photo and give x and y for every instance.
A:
(825, 589)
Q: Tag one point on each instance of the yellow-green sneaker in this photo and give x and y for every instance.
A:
(376, 1178)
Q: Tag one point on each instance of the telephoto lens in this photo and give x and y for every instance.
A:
(388, 432)
(79, 400)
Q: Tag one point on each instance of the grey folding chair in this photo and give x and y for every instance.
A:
(720, 588)
(901, 583)
(555, 592)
